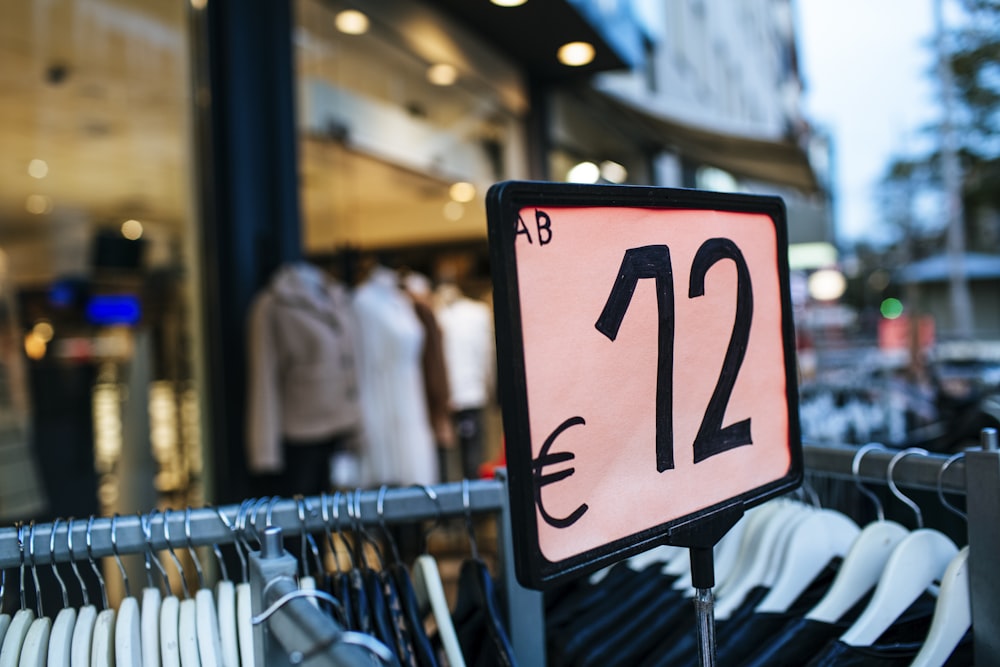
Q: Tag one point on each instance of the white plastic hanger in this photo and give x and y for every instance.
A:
(170, 652)
(225, 601)
(756, 519)
(244, 607)
(952, 614)
(83, 629)
(102, 648)
(13, 640)
(953, 610)
(170, 608)
(35, 648)
(206, 615)
(128, 637)
(102, 636)
(152, 599)
(187, 624)
(815, 541)
(61, 637)
(4, 618)
(916, 562)
(864, 563)
(187, 633)
(769, 544)
(429, 591)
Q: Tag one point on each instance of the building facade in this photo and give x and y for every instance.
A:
(164, 158)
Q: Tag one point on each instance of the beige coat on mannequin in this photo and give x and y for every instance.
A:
(302, 378)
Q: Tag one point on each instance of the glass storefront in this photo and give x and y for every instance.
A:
(400, 132)
(405, 120)
(98, 234)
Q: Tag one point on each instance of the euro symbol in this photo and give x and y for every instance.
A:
(546, 459)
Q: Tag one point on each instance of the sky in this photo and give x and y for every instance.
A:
(866, 67)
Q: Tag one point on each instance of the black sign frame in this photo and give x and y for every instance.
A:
(703, 528)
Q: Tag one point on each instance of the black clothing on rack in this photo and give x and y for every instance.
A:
(478, 620)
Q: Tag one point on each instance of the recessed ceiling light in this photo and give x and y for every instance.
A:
(38, 204)
(132, 230)
(442, 74)
(454, 211)
(351, 22)
(613, 171)
(576, 54)
(508, 3)
(38, 168)
(584, 172)
(462, 192)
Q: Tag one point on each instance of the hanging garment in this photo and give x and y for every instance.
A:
(468, 342)
(400, 446)
(435, 371)
(302, 381)
(478, 621)
(840, 654)
(897, 645)
(467, 336)
(423, 651)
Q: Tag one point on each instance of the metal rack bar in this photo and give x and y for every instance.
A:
(912, 472)
(401, 505)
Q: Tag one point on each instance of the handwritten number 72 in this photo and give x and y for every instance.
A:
(653, 261)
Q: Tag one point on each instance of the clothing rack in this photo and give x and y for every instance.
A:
(977, 476)
(205, 527)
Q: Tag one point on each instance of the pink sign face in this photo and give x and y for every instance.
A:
(655, 369)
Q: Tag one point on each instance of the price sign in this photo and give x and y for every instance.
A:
(646, 360)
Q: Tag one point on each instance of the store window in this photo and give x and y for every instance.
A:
(405, 120)
(97, 236)
(404, 126)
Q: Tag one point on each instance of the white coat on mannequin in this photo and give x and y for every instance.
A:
(399, 443)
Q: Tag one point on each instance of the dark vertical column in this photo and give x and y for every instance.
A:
(537, 126)
(245, 142)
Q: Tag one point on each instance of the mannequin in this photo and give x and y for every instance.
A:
(467, 334)
(400, 447)
(303, 402)
(418, 287)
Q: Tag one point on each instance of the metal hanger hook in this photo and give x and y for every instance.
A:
(191, 549)
(467, 506)
(236, 542)
(380, 513)
(438, 518)
(52, 564)
(173, 556)
(118, 558)
(20, 551)
(72, 562)
(146, 521)
(93, 563)
(34, 569)
(895, 489)
(856, 472)
(940, 486)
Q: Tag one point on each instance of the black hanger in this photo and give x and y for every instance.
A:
(477, 615)
(399, 576)
(381, 620)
